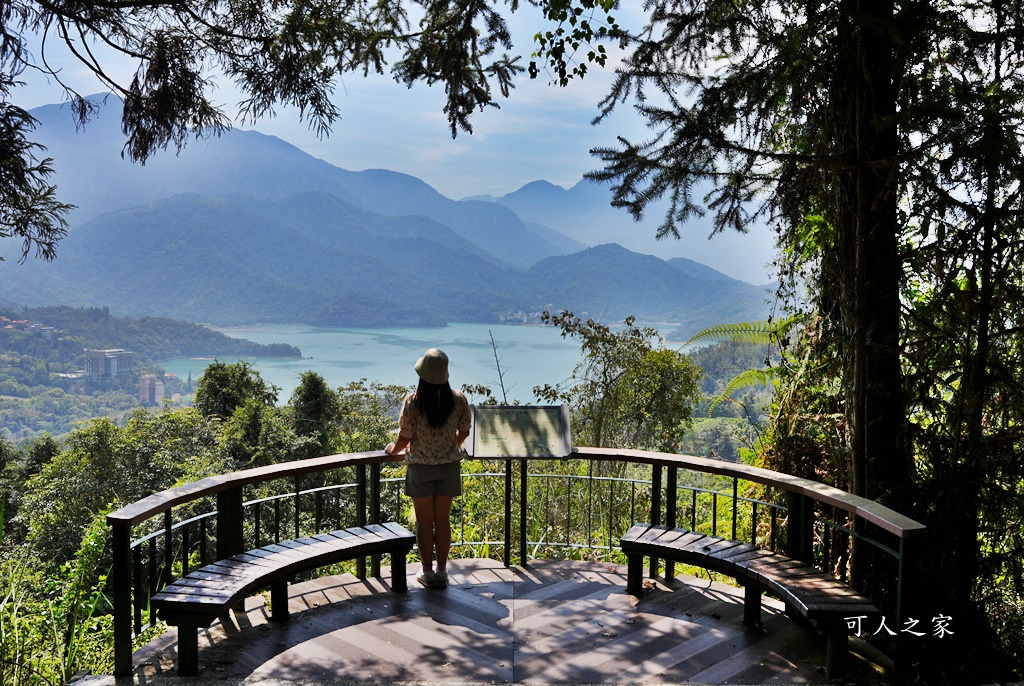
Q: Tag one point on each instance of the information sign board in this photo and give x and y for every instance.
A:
(500, 431)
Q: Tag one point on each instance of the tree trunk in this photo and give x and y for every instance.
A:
(868, 258)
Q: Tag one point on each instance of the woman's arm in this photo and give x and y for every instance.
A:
(398, 446)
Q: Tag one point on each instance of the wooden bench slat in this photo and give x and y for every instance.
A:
(816, 595)
(651, 535)
(394, 528)
(229, 568)
(198, 598)
(634, 533)
(210, 599)
(720, 548)
(736, 553)
(280, 552)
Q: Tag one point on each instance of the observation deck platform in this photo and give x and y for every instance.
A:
(564, 622)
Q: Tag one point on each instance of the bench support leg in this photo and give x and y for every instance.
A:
(836, 650)
(751, 605)
(279, 601)
(634, 574)
(399, 583)
(188, 650)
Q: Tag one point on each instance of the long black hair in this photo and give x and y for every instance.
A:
(435, 402)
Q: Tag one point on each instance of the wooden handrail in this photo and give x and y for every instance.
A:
(142, 510)
(228, 490)
(869, 510)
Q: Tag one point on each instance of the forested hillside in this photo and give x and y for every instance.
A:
(41, 387)
(153, 338)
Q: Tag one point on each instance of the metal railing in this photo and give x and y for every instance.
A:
(577, 506)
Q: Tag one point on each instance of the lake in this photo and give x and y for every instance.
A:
(529, 355)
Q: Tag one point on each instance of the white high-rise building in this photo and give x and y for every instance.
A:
(109, 362)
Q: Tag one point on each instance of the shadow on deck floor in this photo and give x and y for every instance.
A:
(552, 622)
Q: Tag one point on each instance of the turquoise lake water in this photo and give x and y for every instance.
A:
(530, 355)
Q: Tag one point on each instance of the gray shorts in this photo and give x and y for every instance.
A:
(422, 480)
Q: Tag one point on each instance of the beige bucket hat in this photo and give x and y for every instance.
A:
(433, 367)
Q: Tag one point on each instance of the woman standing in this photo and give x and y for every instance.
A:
(433, 424)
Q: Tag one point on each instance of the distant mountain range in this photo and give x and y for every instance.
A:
(246, 228)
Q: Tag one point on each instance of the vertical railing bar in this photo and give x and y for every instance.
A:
(462, 521)
(524, 476)
(361, 504)
(318, 512)
(337, 509)
(508, 513)
(185, 545)
(151, 587)
(611, 511)
(374, 494)
(590, 503)
(693, 509)
(375, 512)
(655, 510)
(203, 534)
(826, 541)
(632, 500)
(547, 508)
(139, 589)
(568, 510)
(772, 540)
(753, 523)
(714, 513)
(277, 520)
(671, 495)
(256, 526)
(735, 504)
(168, 547)
(297, 504)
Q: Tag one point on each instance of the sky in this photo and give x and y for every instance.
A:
(541, 132)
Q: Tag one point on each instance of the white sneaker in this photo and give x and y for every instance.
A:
(440, 579)
(427, 578)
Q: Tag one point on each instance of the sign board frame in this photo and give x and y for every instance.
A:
(515, 431)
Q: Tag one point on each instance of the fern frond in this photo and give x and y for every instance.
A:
(746, 378)
(762, 332)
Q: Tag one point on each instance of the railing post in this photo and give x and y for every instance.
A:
(523, 508)
(800, 528)
(908, 601)
(230, 540)
(508, 513)
(121, 592)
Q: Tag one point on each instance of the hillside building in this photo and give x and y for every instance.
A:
(151, 390)
(109, 362)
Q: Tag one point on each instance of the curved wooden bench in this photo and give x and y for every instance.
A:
(195, 600)
(819, 597)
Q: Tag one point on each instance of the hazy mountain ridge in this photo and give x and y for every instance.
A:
(92, 175)
(246, 228)
(610, 279)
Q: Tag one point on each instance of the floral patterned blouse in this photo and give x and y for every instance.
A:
(433, 446)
